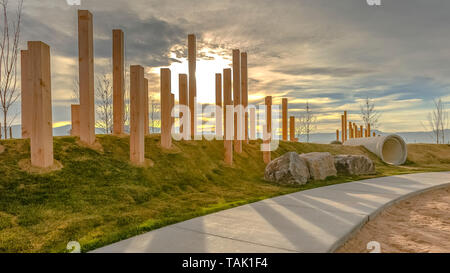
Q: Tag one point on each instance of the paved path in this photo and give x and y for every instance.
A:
(317, 220)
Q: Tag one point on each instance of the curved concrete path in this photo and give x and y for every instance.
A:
(317, 220)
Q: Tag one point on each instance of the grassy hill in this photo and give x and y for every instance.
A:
(98, 197)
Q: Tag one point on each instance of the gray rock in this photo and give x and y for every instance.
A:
(289, 168)
(354, 164)
(321, 165)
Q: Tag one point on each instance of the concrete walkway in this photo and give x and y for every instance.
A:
(317, 220)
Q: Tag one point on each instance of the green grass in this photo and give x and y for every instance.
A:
(98, 197)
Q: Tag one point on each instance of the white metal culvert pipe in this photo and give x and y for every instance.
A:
(390, 148)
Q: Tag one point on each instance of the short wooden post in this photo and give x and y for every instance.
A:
(292, 128)
(219, 133)
(268, 137)
(238, 126)
(228, 117)
(146, 109)
(41, 124)
(26, 94)
(86, 76)
(374, 134)
(361, 131)
(244, 91)
(75, 116)
(285, 118)
(192, 59)
(368, 130)
(183, 100)
(337, 135)
(118, 82)
(166, 109)
(137, 109)
(252, 125)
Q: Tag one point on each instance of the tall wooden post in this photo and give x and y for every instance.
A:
(238, 126)
(267, 139)
(137, 119)
(368, 130)
(183, 99)
(26, 94)
(252, 125)
(219, 133)
(361, 131)
(350, 129)
(118, 82)
(41, 123)
(86, 76)
(75, 116)
(292, 128)
(192, 58)
(244, 90)
(166, 109)
(345, 126)
(342, 128)
(285, 118)
(227, 117)
(146, 108)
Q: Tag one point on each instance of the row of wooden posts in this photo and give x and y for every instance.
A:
(37, 110)
(353, 130)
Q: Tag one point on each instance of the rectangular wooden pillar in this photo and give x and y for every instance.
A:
(244, 91)
(238, 126)
(228, 117)
(146, 109)
(361, 131)
(219, 133)
(118, 82)
(368, 130)
(345, 126)
(292, 128)
(342, 128)
(86, 76)
(166, 108)
(26, 94)
(285, 118)
(137, 109)
(350, 130)
(41, 124)
(75, 116)
(267, 139)
(192, 58)
(183, 101)
(337, 135)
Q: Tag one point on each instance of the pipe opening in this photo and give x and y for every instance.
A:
(393, 151)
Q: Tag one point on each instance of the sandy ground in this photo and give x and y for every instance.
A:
(417, 225)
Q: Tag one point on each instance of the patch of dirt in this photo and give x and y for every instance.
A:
(420, 224)
(2, 149)
(25, 165)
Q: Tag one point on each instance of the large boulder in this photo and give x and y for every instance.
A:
(289, 168)
(354, 164)
(321, 165)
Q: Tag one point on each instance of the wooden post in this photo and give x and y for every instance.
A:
(26, 94)
(368, 130)
(86, 76)
(252, 124)
(219, 133)
(146, 109)
(342, 128)
(166, 109)
(267, 139)
(345, 126)
(238, 128)
(75, 115)
(350, 129)
(118, 82)
(361, 131)
(292, 128)
(137, 109)
(244, 89)
(183, 99)
(10, 132)
(374, 134)
(41, 124)
(337, 135)
(192, 58)
(228, 119)
(285, 118)
(355, 130)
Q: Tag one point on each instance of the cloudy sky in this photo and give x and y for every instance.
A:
(330, 53)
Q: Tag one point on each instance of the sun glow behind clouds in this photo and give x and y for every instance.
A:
(205, 73)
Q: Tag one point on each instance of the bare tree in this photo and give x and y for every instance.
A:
(369, 114)
(104, 99)
(9, 49)
(306, 123)
(154, 114)
(438, 121)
